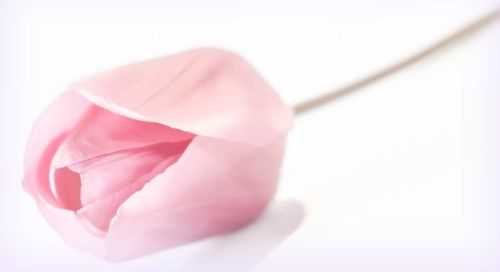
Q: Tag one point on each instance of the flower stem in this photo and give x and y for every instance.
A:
(357, 85)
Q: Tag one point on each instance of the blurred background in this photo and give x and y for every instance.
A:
(400, 176)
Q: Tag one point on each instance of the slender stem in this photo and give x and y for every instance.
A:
(393, 68)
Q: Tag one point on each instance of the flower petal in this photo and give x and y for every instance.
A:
(101, 132)
(108, 181)
(107, 174)
(51, 127)
(213, 188)
(72, 230)
(48, 132)
(209, 92)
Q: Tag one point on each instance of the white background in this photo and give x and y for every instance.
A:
(398, 177)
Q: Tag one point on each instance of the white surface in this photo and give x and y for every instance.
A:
(398, 177)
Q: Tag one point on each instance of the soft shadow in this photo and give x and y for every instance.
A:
(242, 250)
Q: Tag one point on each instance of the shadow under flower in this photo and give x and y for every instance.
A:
(245, 248)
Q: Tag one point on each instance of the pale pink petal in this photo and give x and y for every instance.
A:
(51, 127)
(102, 132)
(43, 144)
(72, 230)
(214, 187)
(100, 212)
(107, 174)
(206, 91)
(109, 180)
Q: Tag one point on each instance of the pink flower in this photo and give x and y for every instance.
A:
(157, 154)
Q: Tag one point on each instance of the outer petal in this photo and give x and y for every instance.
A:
(214, 187)
(47, 134)
(56, 122)
(209, 92)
